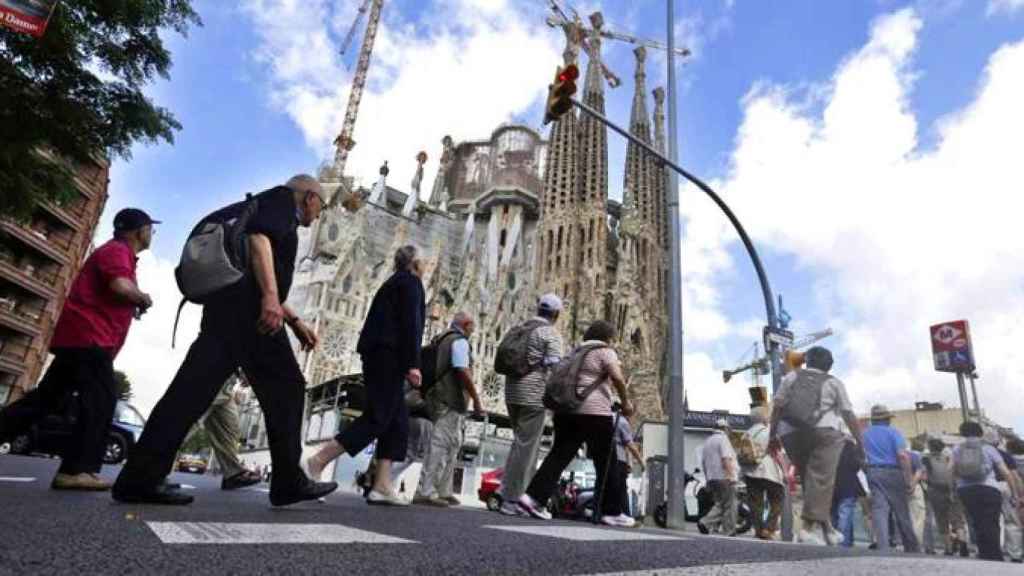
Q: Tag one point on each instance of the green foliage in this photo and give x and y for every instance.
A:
(76, 93)
(124, 386)
(197, 442)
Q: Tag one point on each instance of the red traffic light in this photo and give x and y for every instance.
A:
(560, 93)
(568, 74)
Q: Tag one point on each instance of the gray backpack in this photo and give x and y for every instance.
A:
(802, 408)
(216, 256)
(561, 391)
(512, 358)
(970, 462)
(940, 473)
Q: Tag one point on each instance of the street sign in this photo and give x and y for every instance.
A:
(28, 16)
(951, 347)
(784, 338)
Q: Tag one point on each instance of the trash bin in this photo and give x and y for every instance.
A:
(657, 483)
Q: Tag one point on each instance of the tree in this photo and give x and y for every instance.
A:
(76, 93)
(198, 441)
(124, 386)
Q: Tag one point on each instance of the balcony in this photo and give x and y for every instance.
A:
(36, 241)
(23, 280)
(61, 215)
(11, 366)
(17, 322)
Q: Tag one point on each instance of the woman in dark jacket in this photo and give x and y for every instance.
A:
(389, 346)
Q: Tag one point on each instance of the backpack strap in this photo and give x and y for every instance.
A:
(177, 317)
(585, 351)
(440, 340)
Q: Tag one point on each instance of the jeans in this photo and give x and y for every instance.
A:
(889, 494)
(844, 515)
(984, 504)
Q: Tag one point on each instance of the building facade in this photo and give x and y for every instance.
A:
(38, 261)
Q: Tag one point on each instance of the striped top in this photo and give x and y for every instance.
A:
(543, 351)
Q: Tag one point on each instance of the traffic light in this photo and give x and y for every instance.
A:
(560, 93)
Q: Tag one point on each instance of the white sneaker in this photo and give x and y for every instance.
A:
(510, 509)
(621, 521)
(380, 499)
(835, 537)
(530, 506)
(812, 538)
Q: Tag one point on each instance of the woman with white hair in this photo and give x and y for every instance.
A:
(763, 476)
(389, 346)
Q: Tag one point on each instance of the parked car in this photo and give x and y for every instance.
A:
(488, 492)
(191, 463)
(49, 436)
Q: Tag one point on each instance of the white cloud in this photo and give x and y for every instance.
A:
(897, 236)
(147, 357)
(1004, 6)
(467, 65)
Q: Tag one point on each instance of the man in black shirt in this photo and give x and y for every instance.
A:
(242, 327)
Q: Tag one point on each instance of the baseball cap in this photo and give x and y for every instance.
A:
(132, 219)
(550, 303)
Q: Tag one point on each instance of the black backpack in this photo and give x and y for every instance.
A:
(512, 357)
(429, 370)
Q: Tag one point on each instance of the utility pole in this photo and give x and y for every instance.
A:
(676, 517)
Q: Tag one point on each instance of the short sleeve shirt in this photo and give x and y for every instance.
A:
(834, 401)
(93, 316)
(543, 351)
(883, 444)
(623, 438)
(598, 365)
(460, 353)
(717, 448)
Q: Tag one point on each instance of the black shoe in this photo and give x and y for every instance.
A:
(309, 491)
(159, 494)
(171, 485)
(240, 480)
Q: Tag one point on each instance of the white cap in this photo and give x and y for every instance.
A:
(550, 303)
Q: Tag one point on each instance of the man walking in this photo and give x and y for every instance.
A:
(221, 424)
(625, 446)
(524, 399)
(1008, 486)
(447, 404)
(809, 412)
(90, 332)
(891, 478)
(242, 327)
(948, 512)
(719, 462)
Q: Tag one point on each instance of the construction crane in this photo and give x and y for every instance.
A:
(760, 364)
(347, 42)
(561, 19)
(344, 142)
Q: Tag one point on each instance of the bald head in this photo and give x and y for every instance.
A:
(309, 196)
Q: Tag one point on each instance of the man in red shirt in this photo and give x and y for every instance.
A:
(90, 332)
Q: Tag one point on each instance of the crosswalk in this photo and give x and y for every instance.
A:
(585, 533)
(849, 566)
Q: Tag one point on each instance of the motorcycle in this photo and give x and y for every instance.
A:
(695, 487)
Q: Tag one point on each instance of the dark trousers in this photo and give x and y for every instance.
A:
(88, 371)
(386, 417)
(984, 504)
(571, 432)
(765, 495)
(227, 340)
(617, 483)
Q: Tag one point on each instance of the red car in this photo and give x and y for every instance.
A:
(488, 492)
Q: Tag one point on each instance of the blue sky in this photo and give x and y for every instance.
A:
(851, 99)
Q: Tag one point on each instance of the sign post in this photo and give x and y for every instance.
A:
(28, 16)
(952, 352)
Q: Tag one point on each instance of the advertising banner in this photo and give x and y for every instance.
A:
(28, 16)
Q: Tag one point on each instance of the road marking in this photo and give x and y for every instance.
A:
(187, 487)
(16, 479)
(585, 533)
(241, 533)
(845, 566)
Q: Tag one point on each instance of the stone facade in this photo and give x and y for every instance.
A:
(508, 218)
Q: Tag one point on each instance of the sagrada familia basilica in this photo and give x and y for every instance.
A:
(509, 217)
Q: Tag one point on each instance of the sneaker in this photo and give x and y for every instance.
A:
(621, 521)
(452, 500)
(430, 501)
(83, 481)
(530, 506)
(375, 498)
(806, 537)
(510, 509)
(835, 537)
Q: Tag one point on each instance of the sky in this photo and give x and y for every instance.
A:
(869, 148)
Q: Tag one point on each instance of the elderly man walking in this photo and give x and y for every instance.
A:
(524, 400)
(447, 404)
(720, 470)
(890, 476)
(809, 412)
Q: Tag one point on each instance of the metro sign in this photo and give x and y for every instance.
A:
(27, 16)
(951, 347)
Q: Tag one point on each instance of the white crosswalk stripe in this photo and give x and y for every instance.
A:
(245, 533)
(23, 479)
(844, 566)
(586, 533)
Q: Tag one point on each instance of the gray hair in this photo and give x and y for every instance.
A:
(404, 257)
(461, 318)
(757, 416)
(304, 183)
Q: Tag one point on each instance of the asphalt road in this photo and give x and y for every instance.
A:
(48, 532)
